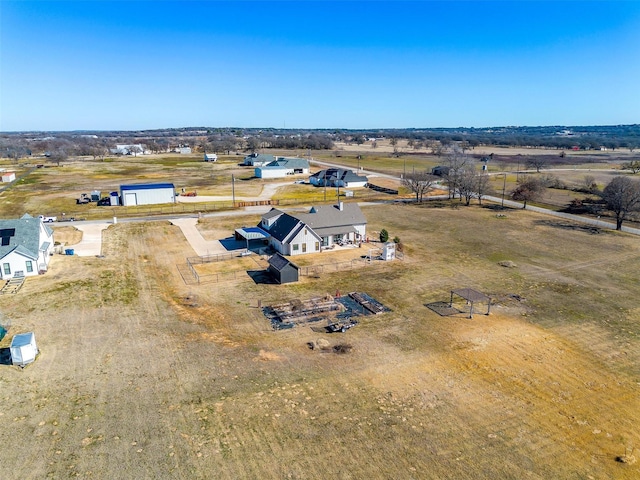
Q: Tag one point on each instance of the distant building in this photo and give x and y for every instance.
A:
(337, 177)
(147, 194)
(184, 150)
(258, 160)
(282, 167)
(210, 157)
(130, 149)
(8, 177)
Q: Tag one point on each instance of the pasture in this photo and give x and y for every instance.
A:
(135, 380)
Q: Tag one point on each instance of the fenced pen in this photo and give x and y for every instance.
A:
(194, 276)
(191, 276)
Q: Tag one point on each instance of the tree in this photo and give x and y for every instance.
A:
(457, 162)
(528, 190)
(384, 236)
(622, 196)
(482, 185)
(58, 156)
(419, 183)
(135, 149)
(252, 144)
(634, 166)
(537, 162)
(466, 184)
(590, 184)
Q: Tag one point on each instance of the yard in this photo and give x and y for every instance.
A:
(136, 380)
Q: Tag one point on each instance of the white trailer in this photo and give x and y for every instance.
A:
(23, 349)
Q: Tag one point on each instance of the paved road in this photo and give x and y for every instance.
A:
(92, 230)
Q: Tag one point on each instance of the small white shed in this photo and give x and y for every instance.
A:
(389, 251)
(8, 177)
(23, 349)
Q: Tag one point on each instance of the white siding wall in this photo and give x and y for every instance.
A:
(303, 239)
(361, 229)
(148, 196)
(261, 172)
(17, 263)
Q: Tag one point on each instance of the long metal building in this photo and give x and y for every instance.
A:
(147, 194)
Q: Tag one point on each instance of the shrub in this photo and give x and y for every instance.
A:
(384, 235)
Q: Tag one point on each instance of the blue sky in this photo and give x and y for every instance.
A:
(95, 65)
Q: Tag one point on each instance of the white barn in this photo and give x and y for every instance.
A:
(147, 194)
(26, 246)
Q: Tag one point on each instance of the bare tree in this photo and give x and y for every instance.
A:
(537, 162)
(419, 183)
(589, 183)
(252, 144)
(482, 185)
(634, 166)
(528, 190)
(457, 162)
(58, 156)
(466, 184)
(622, 196)
(135, 149)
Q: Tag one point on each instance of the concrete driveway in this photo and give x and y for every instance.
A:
(91, 243)
(201, 246)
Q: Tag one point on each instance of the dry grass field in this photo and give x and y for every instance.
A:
(142, 376)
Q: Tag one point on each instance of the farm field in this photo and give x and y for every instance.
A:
(143, 376)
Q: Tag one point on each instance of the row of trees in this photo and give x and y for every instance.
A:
(458, 174)
(621, 196)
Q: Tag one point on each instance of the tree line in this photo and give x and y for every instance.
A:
(462, 180)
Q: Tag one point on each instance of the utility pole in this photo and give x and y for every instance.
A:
(233, 190)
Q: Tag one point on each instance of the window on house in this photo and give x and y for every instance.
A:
(304, 247)
(7, 268)
(317, 246)
(295, 247)
(29, 266)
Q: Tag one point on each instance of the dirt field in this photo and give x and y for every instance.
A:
(137, 380)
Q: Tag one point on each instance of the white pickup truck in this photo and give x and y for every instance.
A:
(48, 219)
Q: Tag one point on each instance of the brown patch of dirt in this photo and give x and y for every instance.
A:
(67, 235)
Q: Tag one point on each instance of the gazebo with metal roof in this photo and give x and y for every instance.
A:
(472, 297)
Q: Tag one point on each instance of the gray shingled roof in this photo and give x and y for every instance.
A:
(330, 216)
(260, 158)
(26, 238)
(274, 212)
(278, 262)
(290, 163)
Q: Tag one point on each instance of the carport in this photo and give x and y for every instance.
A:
(251, 233)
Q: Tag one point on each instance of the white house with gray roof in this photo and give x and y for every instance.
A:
(26, 246)
(322, 226)
(337, 177)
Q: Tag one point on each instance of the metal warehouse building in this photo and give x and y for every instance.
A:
(147, 194)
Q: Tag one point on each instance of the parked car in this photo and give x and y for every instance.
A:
(48, 219)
